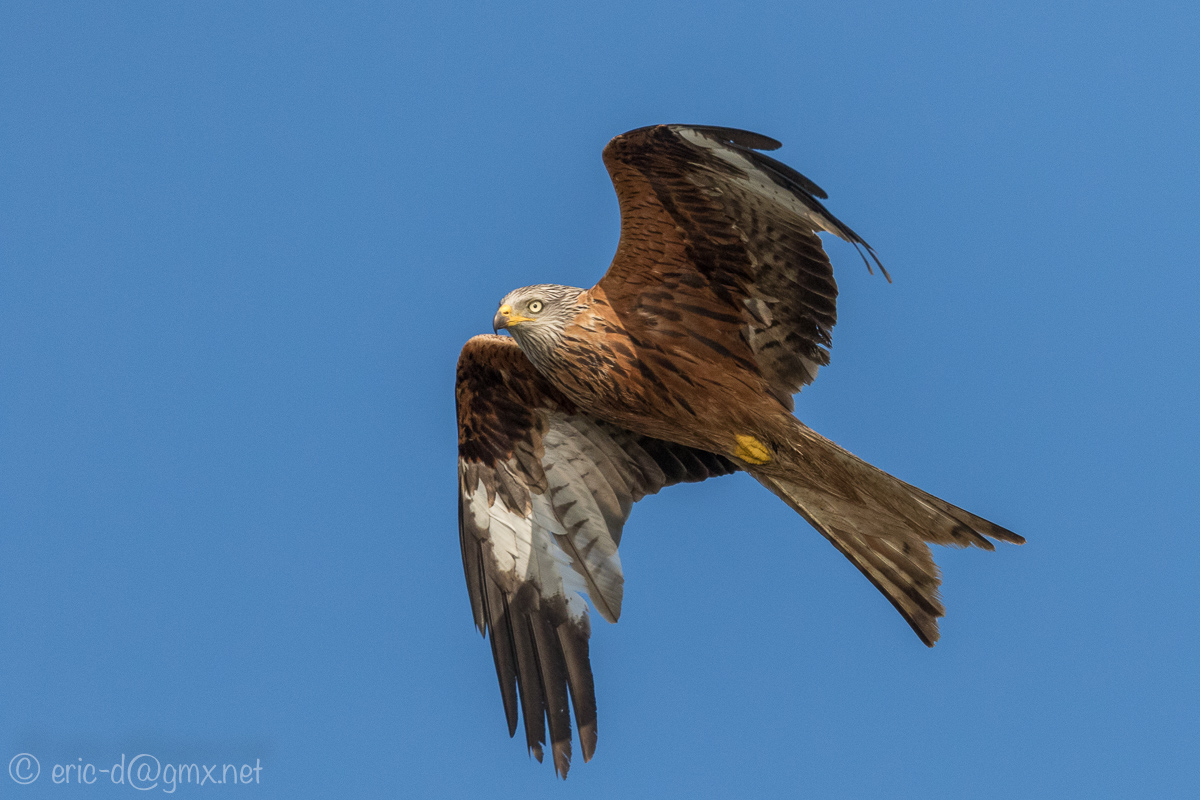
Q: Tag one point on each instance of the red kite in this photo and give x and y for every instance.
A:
(679, 365)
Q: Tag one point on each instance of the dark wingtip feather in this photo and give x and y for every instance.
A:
(736, 136)
(562, 758)
(553, 670)
(529, 684)
(574, 642)
(503, 650)
(857, 241)
(546, 666)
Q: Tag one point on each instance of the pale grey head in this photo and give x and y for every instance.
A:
(536, 315)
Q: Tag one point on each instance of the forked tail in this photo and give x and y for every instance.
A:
(879, 522)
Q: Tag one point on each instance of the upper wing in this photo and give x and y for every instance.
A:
(544, 490)
(721, 240)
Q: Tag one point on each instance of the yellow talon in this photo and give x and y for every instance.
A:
(751, 450)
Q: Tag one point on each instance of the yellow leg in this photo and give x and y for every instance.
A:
(751, 450)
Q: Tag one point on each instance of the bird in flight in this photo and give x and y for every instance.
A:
(679, 365)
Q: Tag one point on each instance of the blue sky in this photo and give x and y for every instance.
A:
(242, 243)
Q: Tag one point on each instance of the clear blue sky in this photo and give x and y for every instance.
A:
(242, 243)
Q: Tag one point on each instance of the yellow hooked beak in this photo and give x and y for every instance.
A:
(505, 318)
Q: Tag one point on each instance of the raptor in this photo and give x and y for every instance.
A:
(679, 365)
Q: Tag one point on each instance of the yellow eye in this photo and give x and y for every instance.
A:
(535, 306)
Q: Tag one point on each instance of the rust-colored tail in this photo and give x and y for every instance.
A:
(877, 521)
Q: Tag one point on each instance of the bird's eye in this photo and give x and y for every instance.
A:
(535, 306)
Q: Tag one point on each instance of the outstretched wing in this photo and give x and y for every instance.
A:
(720, 240)
(544, 490)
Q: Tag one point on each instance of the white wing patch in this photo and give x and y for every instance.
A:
(510, 533)
(533, 549)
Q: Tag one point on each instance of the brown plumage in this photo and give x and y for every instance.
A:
(680, 364)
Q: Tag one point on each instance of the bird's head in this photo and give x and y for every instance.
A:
(533, 311)
(536, 315)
